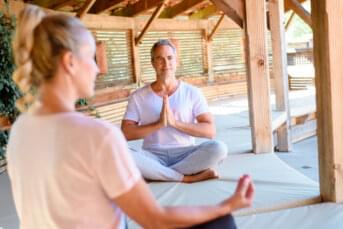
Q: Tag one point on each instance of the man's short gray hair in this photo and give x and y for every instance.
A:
(160, 43)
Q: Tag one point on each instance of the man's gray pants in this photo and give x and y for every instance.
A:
(172, 164)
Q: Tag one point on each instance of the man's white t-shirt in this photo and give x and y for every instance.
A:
(65, 169)
(145, 106)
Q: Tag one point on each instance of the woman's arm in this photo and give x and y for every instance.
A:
(140, 205)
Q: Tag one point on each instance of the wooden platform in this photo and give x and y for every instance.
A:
(278, 186)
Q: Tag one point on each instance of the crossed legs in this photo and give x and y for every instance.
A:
(186, 164)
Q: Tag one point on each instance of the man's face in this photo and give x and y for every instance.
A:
(164, 61)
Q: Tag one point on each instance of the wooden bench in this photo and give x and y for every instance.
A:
(303, 123)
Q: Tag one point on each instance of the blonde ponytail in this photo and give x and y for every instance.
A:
(39, 43)
(27, 21)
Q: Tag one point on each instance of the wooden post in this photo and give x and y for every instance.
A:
(208, 59)
(258, 76)
(328, 56)
(276, 13)
(135, 58)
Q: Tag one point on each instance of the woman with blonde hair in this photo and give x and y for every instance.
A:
(71, 171)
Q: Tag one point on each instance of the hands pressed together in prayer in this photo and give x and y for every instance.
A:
(167, 117)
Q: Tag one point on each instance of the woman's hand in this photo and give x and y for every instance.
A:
(242, 197)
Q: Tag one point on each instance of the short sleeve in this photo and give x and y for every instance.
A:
(199, 103)
(114, 165)
(132, 112)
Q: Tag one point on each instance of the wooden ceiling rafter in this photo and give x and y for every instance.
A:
(180, 8)
(297, 7)
(85, 8)
(137, 8)
(204, 13)
(101, 6)
(153, 17)
(216, 27)
(289, 20)
(234, 9)
(55, 5)
(288, 8)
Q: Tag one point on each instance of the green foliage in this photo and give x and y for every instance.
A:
(9, 92)
(3, 143)
(90, 108)
(82, 102)
(299, 29)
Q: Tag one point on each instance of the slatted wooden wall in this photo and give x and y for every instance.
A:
(190, 52)
(118, 52)
(227, 52)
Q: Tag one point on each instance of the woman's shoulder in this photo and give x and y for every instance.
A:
(89, 123)
(71, 122)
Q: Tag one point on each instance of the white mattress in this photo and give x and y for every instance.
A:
(278, 186)
(318, 216)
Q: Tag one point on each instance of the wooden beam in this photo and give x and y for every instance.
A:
(276, 15)
(258, 76)
(101, 6)
(135, 58)
(328, 55)
(234, 9)
(42, 3)
(300, 11)
(287, 7)
(84, 9)
(16, 7)
(289, 20)
(210, 37)
(55, 5)
(138, 7)
(204, 13)
(208, 57)
(180, 8)
(108, 22)
(151, 20)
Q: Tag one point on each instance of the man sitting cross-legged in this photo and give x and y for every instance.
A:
(168, 114)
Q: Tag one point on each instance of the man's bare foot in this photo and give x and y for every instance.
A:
(204, 175)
